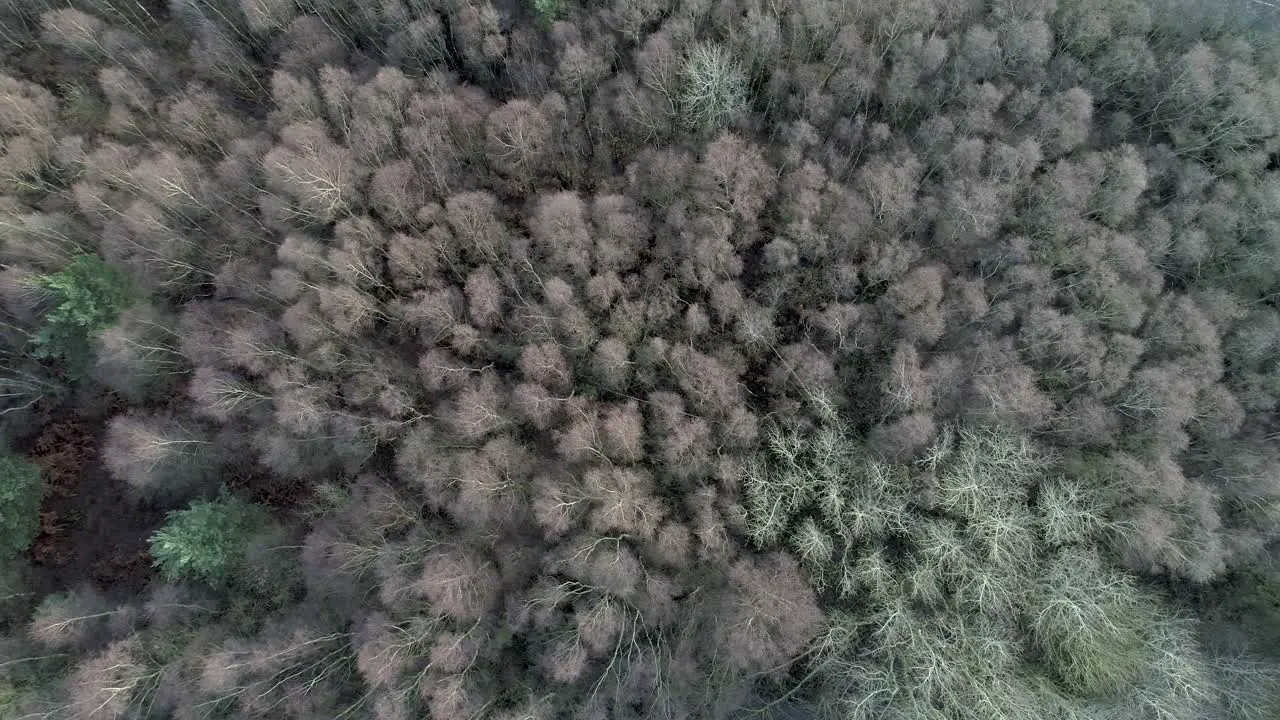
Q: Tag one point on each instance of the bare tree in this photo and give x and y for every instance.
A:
(771, 613)
(561, 235)
(517, 137)
(160, 457)
(459, 582)
(321, 177)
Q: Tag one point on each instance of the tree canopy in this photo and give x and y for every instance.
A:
(592, 361)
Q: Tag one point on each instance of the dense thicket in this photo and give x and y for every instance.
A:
(640, 359)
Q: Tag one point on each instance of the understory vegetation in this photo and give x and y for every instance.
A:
(566, 360)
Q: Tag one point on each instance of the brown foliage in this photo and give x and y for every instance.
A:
(131, 103)
(1159, 400)
(1177, 329)
(704, 246)
(565, 661)
(73, 29)
(606, 563)
(157, 254)
(177, 184)
(159, 455)
(440, 370)
(558, 505)
(709, 527)
(907, 386)
(76, 620)
(477, 28)
(348, 310)
(622, 433)
(683, 440)
(804, 367)
(673, 545)
(377, 112)
(602, 290)
(1064, 121)
(136, 358)
(734, 178)
(64, 451)
(445, 131)
(579, 440)
(536, 405)
(915, 301)
(581, 64)
(889, 185)
(904, 438)
(660, 176)
(1061, 346)
(477, 229)
(308, 45)
(396, 193)
(435, 313)
(199, 121)
(380, 658)
(413, 261)
(599, 625)
(454, 652)
(422, 463)
(995, 386)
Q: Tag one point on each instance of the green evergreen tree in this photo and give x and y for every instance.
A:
(20, 491)
(547, 10)
(206, 542)
(88, 298)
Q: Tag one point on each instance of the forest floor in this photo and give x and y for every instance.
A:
(90, 530)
